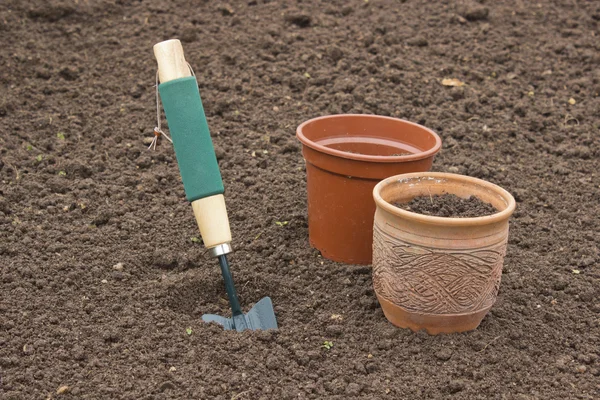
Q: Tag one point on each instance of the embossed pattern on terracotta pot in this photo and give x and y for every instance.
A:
(435, 273)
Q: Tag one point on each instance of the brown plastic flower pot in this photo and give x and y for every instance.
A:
(346, 155)
(437, 273)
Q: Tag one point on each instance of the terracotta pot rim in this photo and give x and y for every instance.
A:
(445, 221)
(365, 157)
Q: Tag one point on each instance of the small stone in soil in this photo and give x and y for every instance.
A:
(475, 12)
(444, 354)
(456, 386)
(334, 330)
(448, 205)
(63, 389)
(353, 389)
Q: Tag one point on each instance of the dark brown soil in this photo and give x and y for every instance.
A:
(100, 277)
(448, 205)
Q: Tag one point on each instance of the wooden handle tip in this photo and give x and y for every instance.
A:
(171, 60)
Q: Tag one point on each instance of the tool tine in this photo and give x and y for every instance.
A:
(262, 315)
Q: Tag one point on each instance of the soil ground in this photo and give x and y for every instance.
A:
(100, 277)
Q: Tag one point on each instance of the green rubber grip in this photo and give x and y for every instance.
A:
(193, 146)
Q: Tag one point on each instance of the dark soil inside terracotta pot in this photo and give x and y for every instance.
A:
(448, 205)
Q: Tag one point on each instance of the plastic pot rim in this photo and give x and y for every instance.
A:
(365, 157)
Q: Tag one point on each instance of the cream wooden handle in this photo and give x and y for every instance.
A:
(211, 215)
(171, 61)
(210, 212)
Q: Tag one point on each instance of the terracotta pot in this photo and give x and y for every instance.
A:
(435, 273)
(346, 155)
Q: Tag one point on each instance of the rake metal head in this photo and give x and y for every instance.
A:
(260, 317)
